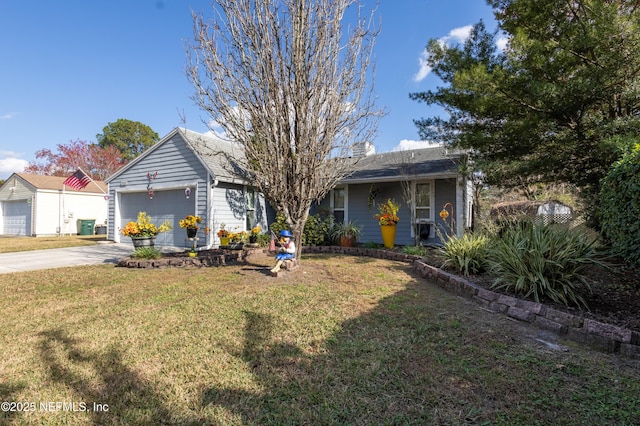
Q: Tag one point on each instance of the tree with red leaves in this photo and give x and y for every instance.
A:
(96, 161)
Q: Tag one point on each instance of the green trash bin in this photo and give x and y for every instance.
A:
(85, 226)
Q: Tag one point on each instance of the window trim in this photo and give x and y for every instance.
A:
(432, 201)
(344, 209)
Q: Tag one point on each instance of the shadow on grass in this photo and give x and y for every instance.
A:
(128, 397)
(378, 369)
(418, 357)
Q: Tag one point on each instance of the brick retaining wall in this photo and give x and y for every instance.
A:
(596, 334)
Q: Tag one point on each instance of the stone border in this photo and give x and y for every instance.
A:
(215, 257)
(601, 336)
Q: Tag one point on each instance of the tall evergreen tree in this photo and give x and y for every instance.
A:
(560, 103)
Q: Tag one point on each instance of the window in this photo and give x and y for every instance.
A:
(338, 203)
(423, 202)
(250, 203)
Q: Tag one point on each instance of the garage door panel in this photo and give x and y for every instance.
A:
(165, 205)
(16, 217)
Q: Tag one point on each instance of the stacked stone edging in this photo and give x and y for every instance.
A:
(204, 258)
(602, 336)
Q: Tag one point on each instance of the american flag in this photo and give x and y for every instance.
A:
(78, 180)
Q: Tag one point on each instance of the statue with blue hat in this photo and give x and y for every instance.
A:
(287, 250)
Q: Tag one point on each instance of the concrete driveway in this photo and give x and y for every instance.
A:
(57, 258)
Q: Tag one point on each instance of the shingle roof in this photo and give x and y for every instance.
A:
(223, 158)
(397, 165)
(56, 183)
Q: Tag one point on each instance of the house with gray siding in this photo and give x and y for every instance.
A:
(424, 181)
(192, 173)
(186, 173)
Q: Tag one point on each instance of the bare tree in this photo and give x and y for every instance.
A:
(293, 91)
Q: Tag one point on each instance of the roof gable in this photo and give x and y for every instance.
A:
(214, 153)
(57, 182)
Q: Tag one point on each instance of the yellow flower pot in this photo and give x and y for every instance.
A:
(224, 241)
(388, 235)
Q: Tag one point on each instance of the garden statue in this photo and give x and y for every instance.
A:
(287, 250)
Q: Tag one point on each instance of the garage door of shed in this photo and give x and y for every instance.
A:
(16, 217)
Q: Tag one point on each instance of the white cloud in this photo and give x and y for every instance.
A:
(502, 43)
(8, 116)
(216, 129)
(425, 69)
(457, 35)
(10, 164)
(406, 144)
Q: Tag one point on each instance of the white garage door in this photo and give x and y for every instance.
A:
(171, 205)
(16, 217)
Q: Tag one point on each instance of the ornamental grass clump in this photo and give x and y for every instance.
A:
(467, 254)
(544, 261)
(146, 253)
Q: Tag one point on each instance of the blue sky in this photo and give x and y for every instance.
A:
(70, 67)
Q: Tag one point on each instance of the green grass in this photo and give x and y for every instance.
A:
(336, 342)
(14, 244)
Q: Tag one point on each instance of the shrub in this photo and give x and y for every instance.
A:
(467, 255)
(620, 206)
(414, 250)
(372, 245)
(146, 253)
(263, 240)
(316, 231)
(543, 260)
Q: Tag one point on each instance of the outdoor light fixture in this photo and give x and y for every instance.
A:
(444, 214)
(187, 192)
(150, 192)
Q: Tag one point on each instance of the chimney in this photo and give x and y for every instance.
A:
(363, 149)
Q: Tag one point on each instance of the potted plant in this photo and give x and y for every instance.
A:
(143, 232)
(223, 234)
(253, 234)
(237, 239)
(190, 223)
(346, 233)
(193, 252)
(388, 219)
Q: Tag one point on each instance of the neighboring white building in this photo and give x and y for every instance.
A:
(36, 205)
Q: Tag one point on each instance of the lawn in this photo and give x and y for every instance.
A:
(343, 340)
(13, 244)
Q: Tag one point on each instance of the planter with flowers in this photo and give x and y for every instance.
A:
(388, 219)
(253, 234)
(237, 240)
(190, 223)
(143, 232)
(223, 234)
